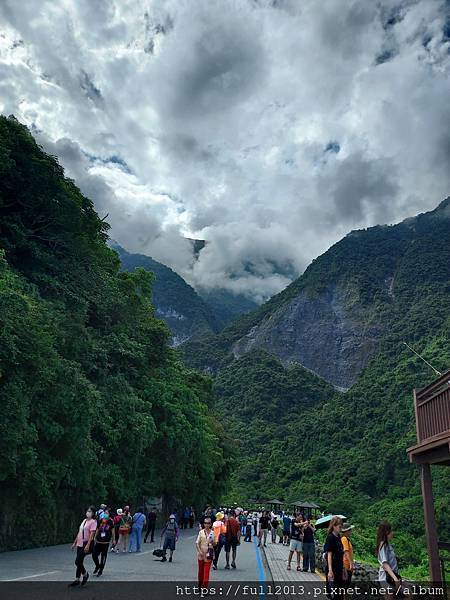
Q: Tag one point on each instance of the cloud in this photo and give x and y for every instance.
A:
(270, 128)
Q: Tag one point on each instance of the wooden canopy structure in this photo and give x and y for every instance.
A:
(310, 509)
(432, 410)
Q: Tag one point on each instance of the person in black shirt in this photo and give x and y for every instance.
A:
(274, 525)
(151, 524)
(103, 536)
(296, 541)
(264, 525)
(309, 548)
(334, 552)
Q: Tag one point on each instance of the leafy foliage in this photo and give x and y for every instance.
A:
(95, 405)
(300, 438)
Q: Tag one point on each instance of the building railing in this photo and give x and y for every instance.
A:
(432, 407)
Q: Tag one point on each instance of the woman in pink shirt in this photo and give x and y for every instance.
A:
(83, 543)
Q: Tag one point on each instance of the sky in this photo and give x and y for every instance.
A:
(268, 128)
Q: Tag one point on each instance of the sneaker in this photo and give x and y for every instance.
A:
(85, 579)
(214, 567)
(233, 565)
(227, 567)
(163, 559)
(96, 570)
(170, 559)
(75, 583)
(99, 574)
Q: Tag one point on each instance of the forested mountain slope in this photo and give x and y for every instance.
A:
(93, 401)
(333, 318)
(186, 314)
(346, 451)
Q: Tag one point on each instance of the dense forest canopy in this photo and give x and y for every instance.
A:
(94, 403)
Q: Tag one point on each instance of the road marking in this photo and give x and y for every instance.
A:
(30, 576)
(262, 579)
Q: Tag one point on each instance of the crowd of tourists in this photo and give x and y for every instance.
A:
(219, 534)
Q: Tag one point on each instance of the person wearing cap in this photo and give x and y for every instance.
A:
(348, 551)
(219, 531)
(171, 533)
(126, 521)
(117, 519)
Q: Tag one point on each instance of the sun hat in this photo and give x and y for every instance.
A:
(219, 515)
(347, 527)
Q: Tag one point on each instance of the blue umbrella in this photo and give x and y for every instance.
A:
(324, 521)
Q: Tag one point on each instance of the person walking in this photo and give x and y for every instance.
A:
(264, 525)
(274, 526)
(185, 518)
(296, 542)
(280, 531)
(219, 530)
(348, 552)
(170, 532)
(255, 524)
(191, 517)
(126, 521)
(388, 571)
(137, 526)
(309, 547)
(104, 535)
(205, 552)
(286, 529)
(334, 552)
(232, 537)
(116, 519)
(83, 544)
(151, 524)
(248, 532)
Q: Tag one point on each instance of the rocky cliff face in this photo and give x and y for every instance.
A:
(328, 333)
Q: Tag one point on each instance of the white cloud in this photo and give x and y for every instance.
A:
(268, 127)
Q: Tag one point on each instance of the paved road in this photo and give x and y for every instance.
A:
(56, 563)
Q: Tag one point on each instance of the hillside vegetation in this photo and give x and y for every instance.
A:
(94, 403)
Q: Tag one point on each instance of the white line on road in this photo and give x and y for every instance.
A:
(30, 576)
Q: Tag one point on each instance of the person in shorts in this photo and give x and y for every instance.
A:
(171, 533)
(232, 539)
(296, 542)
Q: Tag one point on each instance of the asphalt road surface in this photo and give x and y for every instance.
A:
(56, 563)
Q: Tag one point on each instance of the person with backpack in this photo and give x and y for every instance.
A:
(232, 539)
(388, 571)
(103, 537)
(83, 543)
(170, 532)
(126, 520)
(334, 555)
(137, 525)
(205, 552)
(248, 532)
